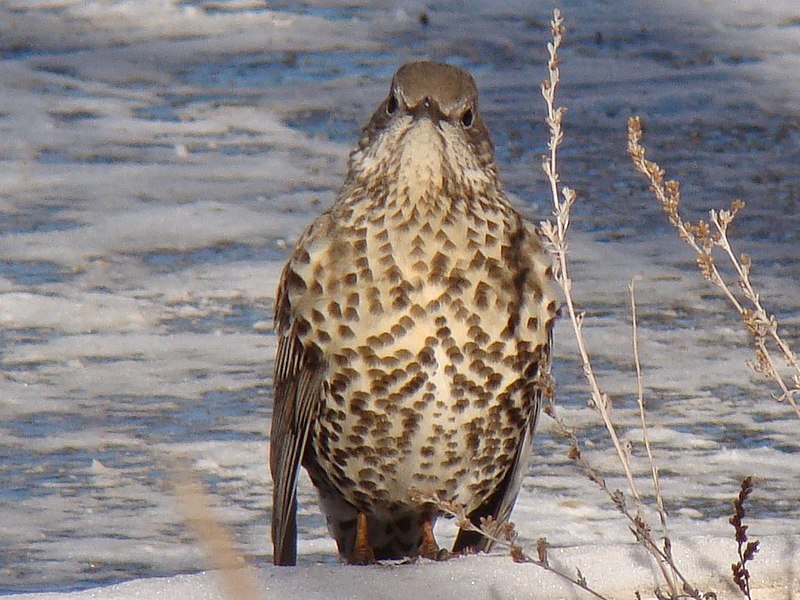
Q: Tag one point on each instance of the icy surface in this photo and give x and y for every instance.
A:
(157, 160)
(613, 570)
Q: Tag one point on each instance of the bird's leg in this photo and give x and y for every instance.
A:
(429, 548)
(362, 553)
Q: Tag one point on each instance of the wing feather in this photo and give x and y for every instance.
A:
(298, 384)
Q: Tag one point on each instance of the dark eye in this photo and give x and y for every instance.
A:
(468, 118)
(391, 105)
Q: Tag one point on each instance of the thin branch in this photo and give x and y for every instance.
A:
(640, 528)
(761, 325)
(218, 547)
(662, 513)
(745, 548)
(556, 236)
(505, 535)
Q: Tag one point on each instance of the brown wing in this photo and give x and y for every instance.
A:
(298, 383)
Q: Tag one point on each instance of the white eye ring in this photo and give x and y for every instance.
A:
(468, 118)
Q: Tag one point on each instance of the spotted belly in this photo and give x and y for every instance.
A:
(435, 405)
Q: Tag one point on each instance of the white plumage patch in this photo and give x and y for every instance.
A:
(421, 168)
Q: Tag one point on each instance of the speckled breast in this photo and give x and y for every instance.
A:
(432, 328)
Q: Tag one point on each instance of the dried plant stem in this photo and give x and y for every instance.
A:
(662, 513)
(236, 581)
(746, 549)
(504, 535)
(555, 234)
(640, 528)
(762, 325)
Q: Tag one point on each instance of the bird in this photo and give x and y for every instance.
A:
(414, 325)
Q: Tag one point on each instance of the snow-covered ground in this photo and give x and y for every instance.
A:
(159, 157)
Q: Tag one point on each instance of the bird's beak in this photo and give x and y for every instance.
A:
(429, 109)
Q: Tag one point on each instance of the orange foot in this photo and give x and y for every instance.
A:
(362, 553)
(429, 548)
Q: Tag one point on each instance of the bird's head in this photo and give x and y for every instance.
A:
(427, 134)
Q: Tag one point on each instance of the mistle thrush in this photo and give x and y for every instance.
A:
(414, 324)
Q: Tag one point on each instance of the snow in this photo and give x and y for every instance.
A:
(158, 160)
(611, 569)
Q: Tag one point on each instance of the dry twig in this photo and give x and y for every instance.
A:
(504, 535)
(704, 239)
(555, 234)
(235, 580)
(746, 549)
(662, 513)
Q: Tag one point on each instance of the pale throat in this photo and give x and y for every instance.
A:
(423, 219)
(421, 172)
